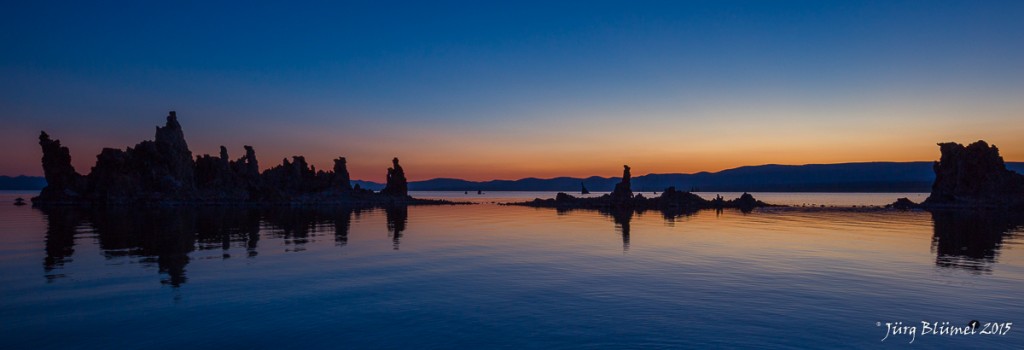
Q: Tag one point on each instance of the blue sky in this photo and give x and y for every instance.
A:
(505, 90)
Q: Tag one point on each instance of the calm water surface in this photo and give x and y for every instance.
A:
(486, 275)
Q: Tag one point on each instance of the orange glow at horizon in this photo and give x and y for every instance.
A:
(580, 144)
(482, 164)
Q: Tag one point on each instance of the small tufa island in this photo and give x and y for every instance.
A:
(972, 176)
(622, 198)
(163, 172)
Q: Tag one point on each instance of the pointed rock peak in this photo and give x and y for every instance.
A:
(172, 119)
(171, 133)
(172, 125)
(250, 154)
(341, 176)
(622, 189)
(48, 143)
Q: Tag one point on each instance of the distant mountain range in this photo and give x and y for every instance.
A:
(22, 182)
(843, 177)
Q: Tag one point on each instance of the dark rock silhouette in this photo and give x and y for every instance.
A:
(670, 200)
(63, 182)
(19, 201)
(289, 180)
(397, 185)
(341, 181)
(904, 203)
(163, 172)
(622, 192)
(171, 146)
(974, 176)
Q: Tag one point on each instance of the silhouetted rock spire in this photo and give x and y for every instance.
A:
(63, 182)
(247, 165)
(974, 176)
(396, 182)
(623, 192)
(170, 142)
(341, 178)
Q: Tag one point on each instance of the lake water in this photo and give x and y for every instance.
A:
(491, 276)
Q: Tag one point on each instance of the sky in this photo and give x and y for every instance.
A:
(504, 90)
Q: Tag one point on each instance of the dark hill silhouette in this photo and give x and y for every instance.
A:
(22, 183)
(841, 177)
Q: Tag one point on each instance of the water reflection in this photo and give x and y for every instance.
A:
(968, 240)
(165, 237)
(397, 217)
(222, 227)
(622, 218)
(971, 240)
(60, 242)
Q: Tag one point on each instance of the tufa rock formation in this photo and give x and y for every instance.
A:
(903, 203)
(974, 176)
(622, 199)
(163, 171)
(396, 183)
(341, 180)
(170, 144)
(63, 182)
(622, 192)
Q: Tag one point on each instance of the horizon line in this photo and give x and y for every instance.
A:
(612, 177)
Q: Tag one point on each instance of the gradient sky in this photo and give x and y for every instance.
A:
(479, 90)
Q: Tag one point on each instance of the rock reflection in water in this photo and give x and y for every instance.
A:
(397, 217)
(167, 236)
(971, 239)
(623, 217)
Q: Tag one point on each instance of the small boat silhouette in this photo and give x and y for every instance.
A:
(583, 189)
(19, 201)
